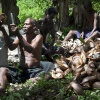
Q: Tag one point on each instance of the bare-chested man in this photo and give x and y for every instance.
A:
(90, 23)
(30, 47)
(46, 26)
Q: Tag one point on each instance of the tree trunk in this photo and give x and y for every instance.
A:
(77, 13)
(63, 13)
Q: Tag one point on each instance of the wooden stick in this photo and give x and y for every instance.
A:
(12, 18)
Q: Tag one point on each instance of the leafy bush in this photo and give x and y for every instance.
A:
(53, 89)
(96, 4)
(32, 8)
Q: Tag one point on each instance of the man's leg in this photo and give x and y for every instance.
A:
(3, 79)
(95, 34)
(70, 35)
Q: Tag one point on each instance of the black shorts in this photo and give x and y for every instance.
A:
(14, 76)
(28, 73)
(18, 75)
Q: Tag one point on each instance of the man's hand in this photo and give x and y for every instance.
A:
(47, 51)
(2, 19)
(14, 29)
(82, 35)
(2, 28)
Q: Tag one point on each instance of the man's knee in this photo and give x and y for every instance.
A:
(73, 32)
(96, 33)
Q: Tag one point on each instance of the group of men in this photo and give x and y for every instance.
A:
(32, 45)
(90, 25)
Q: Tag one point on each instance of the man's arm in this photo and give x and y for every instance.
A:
(95, 23)
(10, 45)
(92, 34)
(33, 46)
(52, 33)
(37, 44)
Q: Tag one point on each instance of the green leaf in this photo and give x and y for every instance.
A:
(82, 40)
(16, 94)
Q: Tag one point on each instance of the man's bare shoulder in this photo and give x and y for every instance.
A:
(37, 41)
(39, 37)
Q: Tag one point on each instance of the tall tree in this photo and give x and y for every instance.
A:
(8, 7)
(63, 11)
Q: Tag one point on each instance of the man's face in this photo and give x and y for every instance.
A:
(27, 26)
(51, 16)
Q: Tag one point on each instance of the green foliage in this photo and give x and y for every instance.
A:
(53, 89)
(32, 8)
(90, 95)
(46, 90)
(96, 4)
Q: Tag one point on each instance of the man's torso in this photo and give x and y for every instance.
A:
(45, 27)
(31, 59)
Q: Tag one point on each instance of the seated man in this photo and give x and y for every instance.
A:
(30, 48)
(46, 26)
(90, 22)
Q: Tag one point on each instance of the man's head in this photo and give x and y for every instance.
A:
(2, 18)
(30, 25)
(51, 12)
(87, 6)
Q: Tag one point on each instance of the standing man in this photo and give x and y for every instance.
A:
(30, 47)
(46, 26)
(90, 23)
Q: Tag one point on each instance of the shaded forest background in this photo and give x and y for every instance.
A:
(65, 8)
(69, 12)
